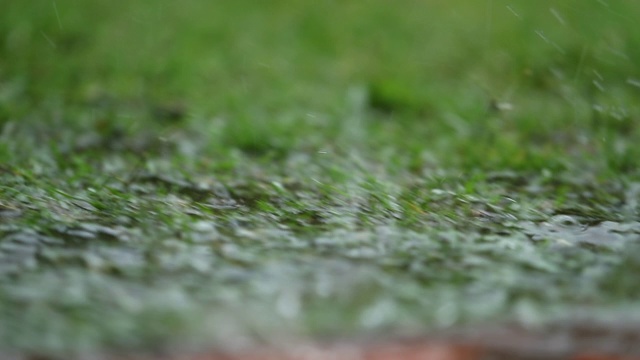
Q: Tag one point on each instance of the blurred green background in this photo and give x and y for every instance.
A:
(563, 68)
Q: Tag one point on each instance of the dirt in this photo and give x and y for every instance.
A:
(579, 340)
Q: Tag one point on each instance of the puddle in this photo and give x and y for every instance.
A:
(565, 231)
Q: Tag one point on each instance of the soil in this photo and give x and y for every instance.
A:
(581, 340)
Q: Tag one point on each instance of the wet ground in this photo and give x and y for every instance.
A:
(578, 341)
(574, 340)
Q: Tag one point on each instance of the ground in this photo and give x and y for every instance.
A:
(179, 176)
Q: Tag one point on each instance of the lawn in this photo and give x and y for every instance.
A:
(187, 174)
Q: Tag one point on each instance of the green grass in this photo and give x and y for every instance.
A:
(180, 174)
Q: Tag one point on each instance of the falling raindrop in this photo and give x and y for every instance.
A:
(55, 8)
(633, 82)
(557, 15)
(514, 12)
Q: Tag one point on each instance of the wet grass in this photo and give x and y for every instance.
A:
(189, 174)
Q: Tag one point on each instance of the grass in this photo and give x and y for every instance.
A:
(181, 175)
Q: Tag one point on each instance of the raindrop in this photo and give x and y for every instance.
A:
(557, 15)
(598, 75)
(514, 12)
(55, 8)
(598, 85)
(541, 34)
(53, 45)
(633, 82)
